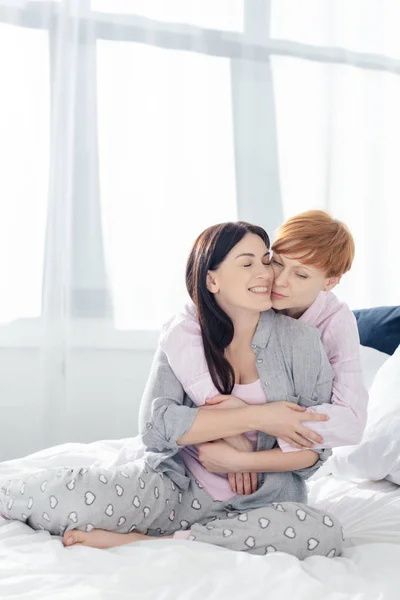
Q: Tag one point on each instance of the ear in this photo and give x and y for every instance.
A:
(330, 283)
(211, 283)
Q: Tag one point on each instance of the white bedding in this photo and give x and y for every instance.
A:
(36, 566)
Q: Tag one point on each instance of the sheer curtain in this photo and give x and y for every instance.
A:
(337, 91)
(127, 127)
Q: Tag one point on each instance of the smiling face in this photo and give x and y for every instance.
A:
(242, 281)
(297, 285)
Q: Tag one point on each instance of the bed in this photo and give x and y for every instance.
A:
(35, 565)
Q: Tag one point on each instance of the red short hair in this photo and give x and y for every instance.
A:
(318, 240)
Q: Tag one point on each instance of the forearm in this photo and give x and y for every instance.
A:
(210, 425)
(344, 428)
(274, 461)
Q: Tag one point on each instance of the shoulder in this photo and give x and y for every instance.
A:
(298, 342)
(302, 348)
(341, 330)
(291, 330)
(299, 348)
(337, 312)
(181, 327)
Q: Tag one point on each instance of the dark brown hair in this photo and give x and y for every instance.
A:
(208, 252)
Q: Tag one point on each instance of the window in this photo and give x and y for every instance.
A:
(24, 156)
(166, 151)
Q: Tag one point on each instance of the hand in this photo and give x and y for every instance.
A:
(240, 442)
(285, 420)
(219, 457)
(243, 483)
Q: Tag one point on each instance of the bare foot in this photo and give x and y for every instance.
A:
(100, 538)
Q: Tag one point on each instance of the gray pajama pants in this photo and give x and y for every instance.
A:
(133, 497)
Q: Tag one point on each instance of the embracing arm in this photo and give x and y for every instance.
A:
(274, 461)
(219, 457)
(349, 399)
(165, 423)
(182, 344)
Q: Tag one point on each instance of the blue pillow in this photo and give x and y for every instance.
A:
(379, 327)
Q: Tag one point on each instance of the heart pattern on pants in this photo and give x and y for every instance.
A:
(290, 532)
(312, 543)
(89, 498)
(327, 521)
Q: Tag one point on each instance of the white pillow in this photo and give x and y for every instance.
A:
(378, 455)
(384, 394)
(371, 362)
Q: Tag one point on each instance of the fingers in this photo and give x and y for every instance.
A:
(239, 483)
(292, 443)
(254, 482)
(299, 441)
(305, 432)
(310, 416)
(294, 406)
(247, 484)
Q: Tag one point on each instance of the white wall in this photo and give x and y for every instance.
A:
(102, 399)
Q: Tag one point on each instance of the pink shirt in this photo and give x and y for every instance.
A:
(216, 484)
(182, 343)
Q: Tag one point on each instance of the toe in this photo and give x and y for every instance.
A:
(74, 537)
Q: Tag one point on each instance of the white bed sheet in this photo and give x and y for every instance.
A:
(36, 566)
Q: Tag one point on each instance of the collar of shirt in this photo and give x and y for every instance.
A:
(264, 329)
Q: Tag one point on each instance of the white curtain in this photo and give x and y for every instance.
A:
(127, 127)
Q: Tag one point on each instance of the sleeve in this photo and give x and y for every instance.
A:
(308, 472)
(321, 394)
(163, 418)
(349, 401)
(183, 346)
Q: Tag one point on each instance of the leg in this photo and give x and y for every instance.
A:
(125, 498)
(182, 509)
(289, 527)
(99, 538)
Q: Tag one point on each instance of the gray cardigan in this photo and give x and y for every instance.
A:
(292, 366)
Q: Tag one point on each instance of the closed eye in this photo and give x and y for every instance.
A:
(266, 264)
(276, 262)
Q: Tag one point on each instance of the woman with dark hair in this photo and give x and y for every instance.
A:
(229, 279)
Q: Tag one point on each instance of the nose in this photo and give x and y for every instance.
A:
(281, 279)
(266, 274)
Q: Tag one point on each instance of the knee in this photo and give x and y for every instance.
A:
(333, 534)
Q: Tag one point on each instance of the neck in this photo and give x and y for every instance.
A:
(244, 326)
(295, 313)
